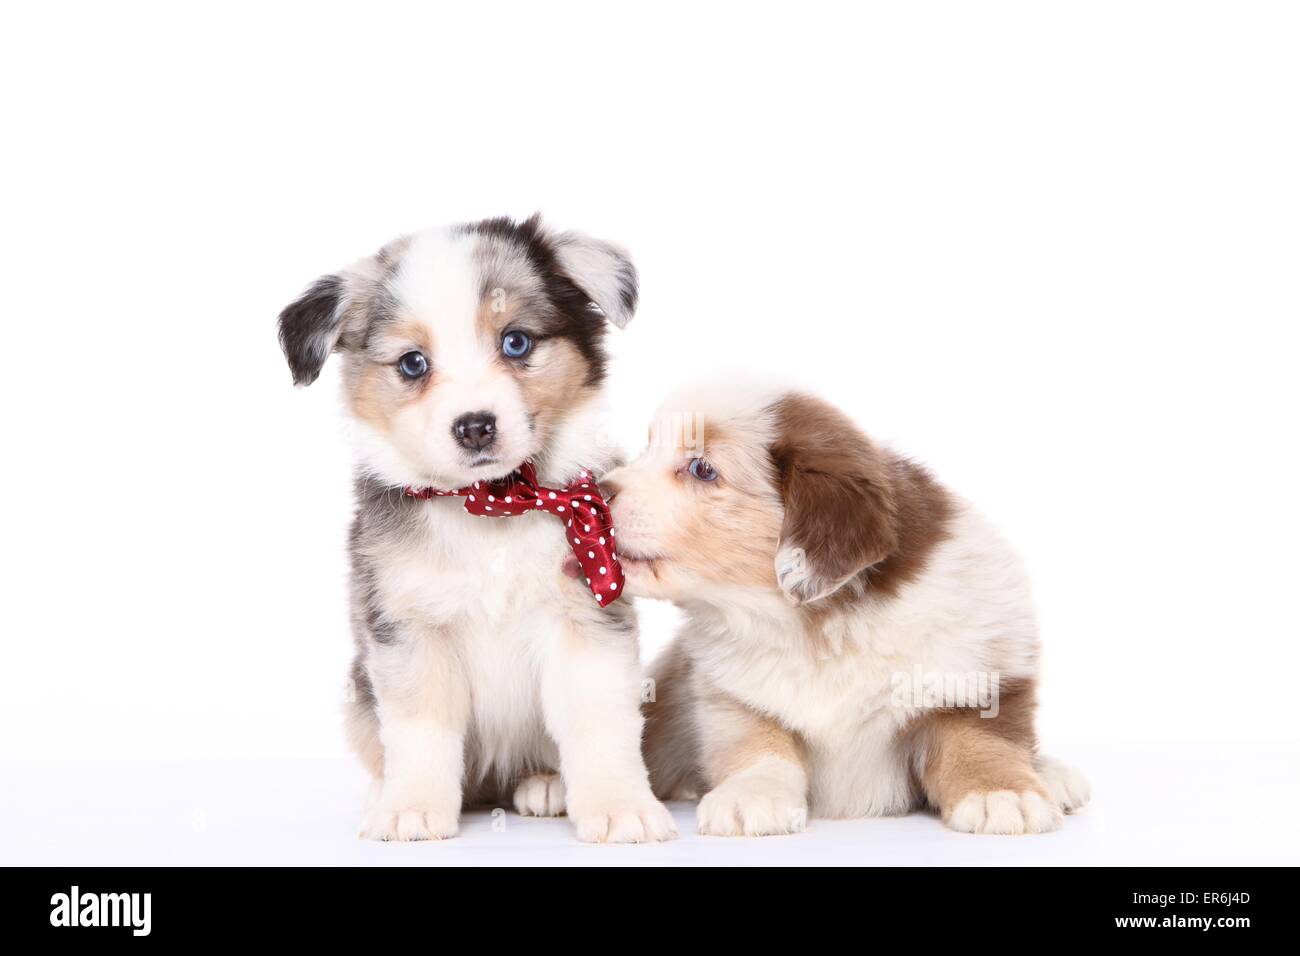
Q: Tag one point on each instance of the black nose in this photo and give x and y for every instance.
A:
(476, 430)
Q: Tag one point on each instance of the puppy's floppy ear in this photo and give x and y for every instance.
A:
(602, 270)
(310, 327)
(841, 516)
(327, 316)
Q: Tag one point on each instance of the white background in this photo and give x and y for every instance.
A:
(1050, 250)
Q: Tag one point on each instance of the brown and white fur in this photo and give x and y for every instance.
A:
(819, 573)
(481, 670)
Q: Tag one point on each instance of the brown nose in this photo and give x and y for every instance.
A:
(476, 430)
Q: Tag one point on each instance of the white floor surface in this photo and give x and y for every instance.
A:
(1158, 804)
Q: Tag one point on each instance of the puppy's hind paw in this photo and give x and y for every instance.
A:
(540, 795)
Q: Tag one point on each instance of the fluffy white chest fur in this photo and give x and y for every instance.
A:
(492, 587)
(849, 690)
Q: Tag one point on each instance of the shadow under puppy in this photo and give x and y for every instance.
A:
(467, 352)
(841, 605)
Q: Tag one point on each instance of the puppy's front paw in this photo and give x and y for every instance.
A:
(641, 819)
(1004, 811)
(1066, 784)
(745, 806)
(541, 795)
(409, 823)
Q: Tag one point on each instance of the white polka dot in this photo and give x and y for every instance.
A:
(600, 570)
(538, 502)
(599, 597)
(487, 507)
(588, 580)
(586, 497)
(613, 585)
(591, 554)
(471, 497)
(551, 495)
(492, 498)
(586, 527)
(576, 541)
(602, 540)
(507, 499)
(476, 484)
(559, 507)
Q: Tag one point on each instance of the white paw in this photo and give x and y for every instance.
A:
(1066, 784)
(751, 806)
(541, 795)
(410, 823)
(639, 820)
(1004, 811)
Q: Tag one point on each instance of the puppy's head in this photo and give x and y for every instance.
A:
(744, 491)
(465, 348)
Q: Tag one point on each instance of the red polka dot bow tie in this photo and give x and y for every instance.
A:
(579, 504)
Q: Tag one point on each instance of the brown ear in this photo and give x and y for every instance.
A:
(841, 513)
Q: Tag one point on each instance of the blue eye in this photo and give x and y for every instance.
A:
(701, 469)
(516, 344)
(413, 365)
